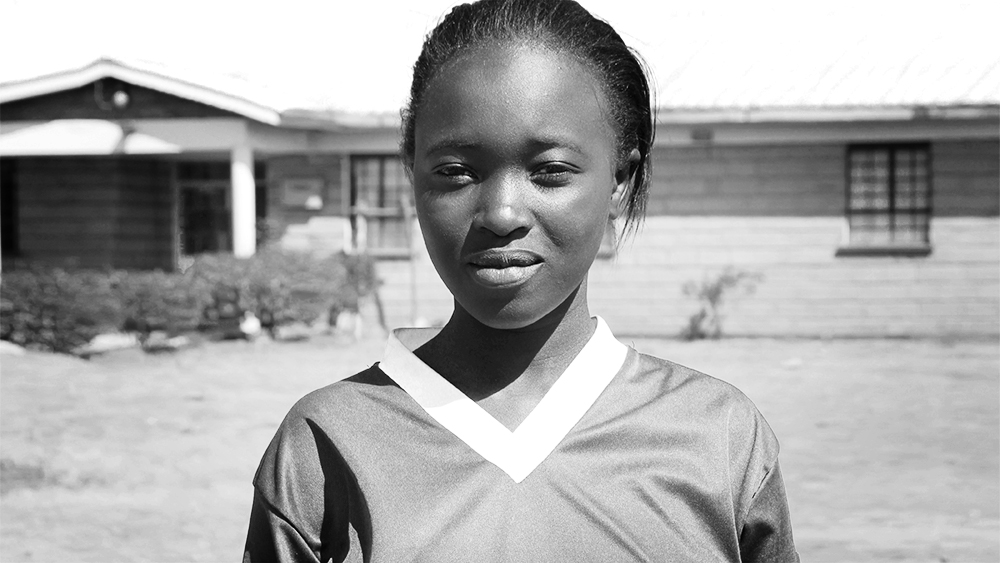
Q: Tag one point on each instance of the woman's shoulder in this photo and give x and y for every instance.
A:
(699, 396)
(335, 417)
(674, 378)
(347, 401)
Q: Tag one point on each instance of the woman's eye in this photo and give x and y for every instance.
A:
(553, 174)
(455, 172)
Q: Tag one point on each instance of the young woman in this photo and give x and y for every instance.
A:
(522, 430)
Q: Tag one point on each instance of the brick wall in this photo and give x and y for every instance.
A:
(95, 211)
(795, 180)
(805, 289)
(966, 178)
(808, 180)
(144, 235)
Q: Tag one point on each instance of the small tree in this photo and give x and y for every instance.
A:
(707, 321)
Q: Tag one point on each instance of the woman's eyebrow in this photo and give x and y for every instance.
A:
(451, 143)
(555, 142)
(537, 144)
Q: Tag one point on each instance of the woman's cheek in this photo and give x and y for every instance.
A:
(443, 227)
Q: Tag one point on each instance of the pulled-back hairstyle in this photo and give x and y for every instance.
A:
(561, 25)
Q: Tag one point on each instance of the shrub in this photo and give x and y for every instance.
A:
(289, 286)
(56, 309)
(172, 302)
(707, 321)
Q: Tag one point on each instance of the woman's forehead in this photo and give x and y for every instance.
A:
(510, 54)
(512, 89)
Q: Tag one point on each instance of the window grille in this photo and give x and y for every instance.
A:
(889, 197)
(380, 196)
(205, 207)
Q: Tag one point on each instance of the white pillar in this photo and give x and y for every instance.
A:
(244, 201)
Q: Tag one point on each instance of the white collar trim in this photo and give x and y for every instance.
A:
(519, 452)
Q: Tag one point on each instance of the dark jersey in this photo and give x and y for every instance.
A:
(627, 458)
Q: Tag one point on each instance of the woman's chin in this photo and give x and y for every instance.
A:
(507, 320)
(518, 309)
(516, 317)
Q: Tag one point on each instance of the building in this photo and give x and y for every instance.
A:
(860, 217)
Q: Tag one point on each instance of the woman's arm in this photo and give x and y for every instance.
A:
(767, 530)
(305, 499)
(271, 537)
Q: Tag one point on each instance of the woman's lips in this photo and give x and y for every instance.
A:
(502, 268)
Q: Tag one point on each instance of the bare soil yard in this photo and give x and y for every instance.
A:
(890, 448)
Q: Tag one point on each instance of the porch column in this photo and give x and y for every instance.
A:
(244, 201)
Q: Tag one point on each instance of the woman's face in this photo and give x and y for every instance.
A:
(514, 173)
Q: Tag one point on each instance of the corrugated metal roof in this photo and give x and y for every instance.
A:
(705, 56)
(845, 54)
(848, 80)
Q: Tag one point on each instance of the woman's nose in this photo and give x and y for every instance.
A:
(502, 206)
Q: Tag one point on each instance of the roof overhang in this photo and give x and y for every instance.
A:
(106, 68)
(95, 137)
(825, 114)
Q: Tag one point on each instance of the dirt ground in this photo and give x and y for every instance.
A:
(890, 448)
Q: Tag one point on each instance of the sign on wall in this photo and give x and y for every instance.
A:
(304, 193)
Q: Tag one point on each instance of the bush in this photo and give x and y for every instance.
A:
(707, 321)
(58, 310)
(289, 286)
(55, 309)
(171, 302)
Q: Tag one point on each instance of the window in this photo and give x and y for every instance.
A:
(205, 207)
(381, 211)
(205, 214)
(888, 199)
(9, 244)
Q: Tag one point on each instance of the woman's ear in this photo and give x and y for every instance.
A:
(623, 181)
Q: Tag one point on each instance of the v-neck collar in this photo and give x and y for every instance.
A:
(519, 452)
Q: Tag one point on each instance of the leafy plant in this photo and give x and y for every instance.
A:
(710, 293)
(58, 310)
(289, 286)
(157, 300)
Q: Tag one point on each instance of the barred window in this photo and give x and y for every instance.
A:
(380, 200)
(204, 219)
(888, 199)
(205, 207)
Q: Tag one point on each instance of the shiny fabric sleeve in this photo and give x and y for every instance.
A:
(271, 538)
(763, 525)
(305, 498)
(767, 529)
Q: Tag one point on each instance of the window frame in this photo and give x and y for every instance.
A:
(360, 215)
(212, 178)
(10, 247)
(851, 248)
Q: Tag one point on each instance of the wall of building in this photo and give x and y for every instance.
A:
(145, 222)
(966, 178)
(778, 212)
(95, 212)
(804, 289)
(323, 230)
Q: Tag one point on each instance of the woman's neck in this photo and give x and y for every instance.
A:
(508, 371)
